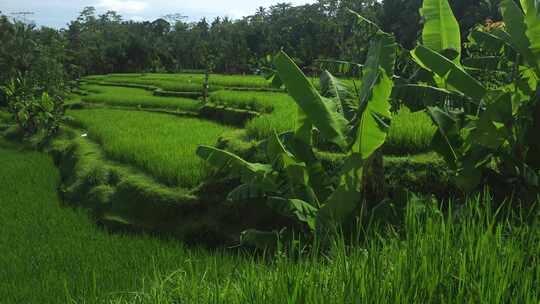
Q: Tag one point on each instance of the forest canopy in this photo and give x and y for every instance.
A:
(106, 43)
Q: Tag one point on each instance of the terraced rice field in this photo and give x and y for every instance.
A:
(52, 254)
(163, 145)
(133, 97)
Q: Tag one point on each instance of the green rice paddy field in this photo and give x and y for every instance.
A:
(163, 145)
(51, 253)
(119, 96)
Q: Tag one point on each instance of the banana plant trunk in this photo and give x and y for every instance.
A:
(374, 180)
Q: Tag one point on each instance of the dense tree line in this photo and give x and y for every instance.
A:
(97, 44)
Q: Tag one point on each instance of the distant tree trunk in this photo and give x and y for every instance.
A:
(374, 180)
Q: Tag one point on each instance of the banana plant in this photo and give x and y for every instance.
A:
(492, 136)
(294, 182)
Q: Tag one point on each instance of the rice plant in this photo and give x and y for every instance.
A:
(162, 145)
(278, 109)
(133, 97)
(410, 133)
(433, 258)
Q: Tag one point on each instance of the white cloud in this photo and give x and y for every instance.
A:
(127, 6)
(137, 18)
(236, 13)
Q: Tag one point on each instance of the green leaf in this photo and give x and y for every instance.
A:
(487, 63)
(447, 140)
(376, 90)
(381, 54)
(499, 110)
(236, 166)
(373, 128)
(517, 28)
(320, 111)
(441, 30)
(532, 19)
(338, 91)
(345, 200)
(298, 177)
(363, 19)
(331, 87)
(417, 96)
(295, 209)
(453, 74)
(275, 148)
(468, 175)
(246, 192)
(488, 41)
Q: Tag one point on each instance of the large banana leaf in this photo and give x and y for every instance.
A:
(331, 87)
(441, 30)
(381, 54)
(447, 140)
(532, 19)
(295, 209)
(320, 111)
(376, 90)
(453, 74)
(236, 166)
(488, 41)
(345, 200)
(298, 178)
(337, 90)
(373, 128)
(486, 63)
(246, 192)
(517, 28)
(362, 19)
(417, 96)
(490, 130)
(340, 66)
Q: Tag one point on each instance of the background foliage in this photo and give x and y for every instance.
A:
(98, 44)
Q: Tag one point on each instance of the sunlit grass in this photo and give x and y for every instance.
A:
(278, 109)
(410, 133)
(52, 254)
(186, 82)
(133, 97)
(163, 145)
(433, 258)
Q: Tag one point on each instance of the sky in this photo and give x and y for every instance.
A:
(58, 13)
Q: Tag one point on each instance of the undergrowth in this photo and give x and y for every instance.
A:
(468, 255)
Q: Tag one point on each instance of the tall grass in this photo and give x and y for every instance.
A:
(162, 145)
(52, 254)
(434, 258)
(120, 96)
